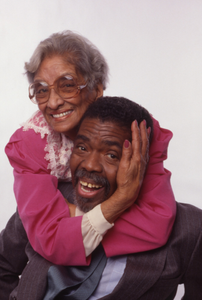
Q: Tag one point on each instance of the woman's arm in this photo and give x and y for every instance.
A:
(148, 222)
(42, 208)
(130, 175)
(46, 217)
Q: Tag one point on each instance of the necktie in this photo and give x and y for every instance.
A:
(76, 283)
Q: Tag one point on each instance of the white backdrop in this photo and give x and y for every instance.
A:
(154, 51)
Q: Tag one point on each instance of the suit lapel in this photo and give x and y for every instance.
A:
(141, 272)
(32, 285)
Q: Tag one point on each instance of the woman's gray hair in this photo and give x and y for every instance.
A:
(76, 50)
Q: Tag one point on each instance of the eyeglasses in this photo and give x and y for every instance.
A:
(65, 86)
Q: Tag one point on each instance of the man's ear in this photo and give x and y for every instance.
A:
(99, 90)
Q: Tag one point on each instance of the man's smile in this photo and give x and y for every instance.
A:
(88, 189)
(85, 185)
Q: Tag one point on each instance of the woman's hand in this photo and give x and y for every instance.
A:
(133, 163)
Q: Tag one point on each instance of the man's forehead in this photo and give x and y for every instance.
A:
(108, 132)
(96, 126)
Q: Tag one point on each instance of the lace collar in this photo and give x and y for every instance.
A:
(58, 147)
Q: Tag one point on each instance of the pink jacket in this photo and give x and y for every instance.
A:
(40, 157)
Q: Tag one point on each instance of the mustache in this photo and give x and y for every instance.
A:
(85, 204)
(100, 180)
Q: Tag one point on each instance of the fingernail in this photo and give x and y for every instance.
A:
(126, 144)
(145, 123)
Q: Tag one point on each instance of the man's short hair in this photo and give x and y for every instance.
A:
(119, 110)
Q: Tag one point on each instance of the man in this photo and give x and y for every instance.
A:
(148, 275)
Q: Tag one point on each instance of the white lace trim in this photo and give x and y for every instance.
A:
(58, 147)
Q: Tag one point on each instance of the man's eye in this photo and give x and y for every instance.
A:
(112, 156)
(81, 148)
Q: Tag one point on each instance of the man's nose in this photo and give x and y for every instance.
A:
(54, 99)
(92, 162)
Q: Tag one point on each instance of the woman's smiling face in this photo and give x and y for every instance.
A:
(64, 115)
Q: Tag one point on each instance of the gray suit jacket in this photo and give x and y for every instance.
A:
(151, 275)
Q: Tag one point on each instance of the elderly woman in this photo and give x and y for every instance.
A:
(67, 73)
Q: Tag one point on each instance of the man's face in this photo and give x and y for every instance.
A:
(95, 161)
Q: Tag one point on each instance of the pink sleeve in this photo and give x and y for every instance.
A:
(42, 208)
(45, 215)
(148, 223)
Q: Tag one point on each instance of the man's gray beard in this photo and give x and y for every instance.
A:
(82, 202)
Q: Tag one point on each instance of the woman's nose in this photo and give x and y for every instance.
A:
(54, 99)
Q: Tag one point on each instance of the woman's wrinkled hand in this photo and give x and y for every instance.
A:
(132, 167)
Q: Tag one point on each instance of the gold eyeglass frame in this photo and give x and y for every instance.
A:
(78, 88)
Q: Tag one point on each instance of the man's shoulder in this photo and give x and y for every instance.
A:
(189, 214)
(188, 225)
